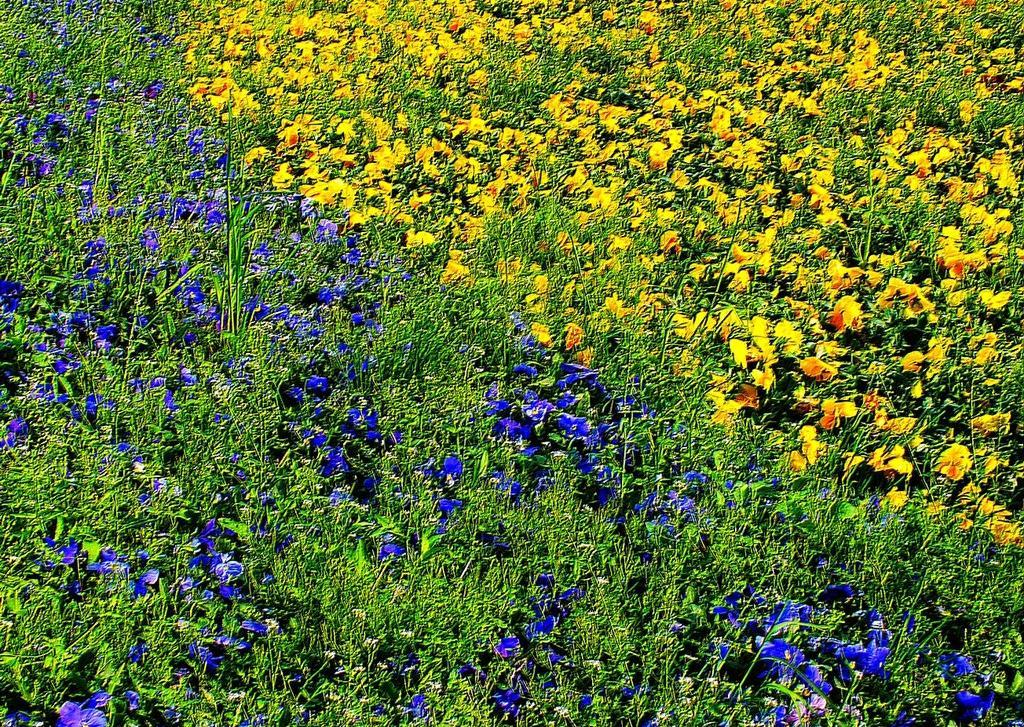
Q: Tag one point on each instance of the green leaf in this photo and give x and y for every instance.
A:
(92, 549)
(847, 510)
(1017, 684)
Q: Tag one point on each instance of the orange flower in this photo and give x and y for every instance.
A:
(573, 336)
(847, 314)
(872, 400)
(670, 243)
(814, 368)
(835, 411)
(748, 397)
(585, 356)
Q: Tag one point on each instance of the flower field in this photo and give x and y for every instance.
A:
(523, 362)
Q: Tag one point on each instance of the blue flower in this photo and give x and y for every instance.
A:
(509, 702)
(972, 707)
(468, 671)
(507, 647)
(509, 428)
(318, 385)
(417, 708)
(955, 665)
(787, 615)
(813, 677)
(544, 626)
(781, 660)
(205, 656)
(447, 506)
(326, 230)
(73, 714)
(255, 627)
(106, 333)
(834, 593)
(451, 468)
(578, 372)
(869, 659)
(132, 697)
(226, 569)
(335, 462)
(141, 584)
(16, 429)
(390, 550)
(136, 652)
(573, 426)
(537, 410)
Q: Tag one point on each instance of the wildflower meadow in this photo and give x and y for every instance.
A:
(491, 362)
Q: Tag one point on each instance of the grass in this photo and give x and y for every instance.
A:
(265, 458)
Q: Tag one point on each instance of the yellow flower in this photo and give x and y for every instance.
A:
(297, 130)
(256, 154)
(992, 300)
(283, 177)
(739, 352)
(542, 333)
(812, 448)
(896, 499)
(1006, 533)
(912, 361)
(896, 425)
(989, 424)
(659, 154)
(455, 271)
(615, 306)
(670, 243)
(890, 461)
(955, 462)
(327, 193)
(477, 78)
(299, 26)
(765, 378)
(414, 238)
